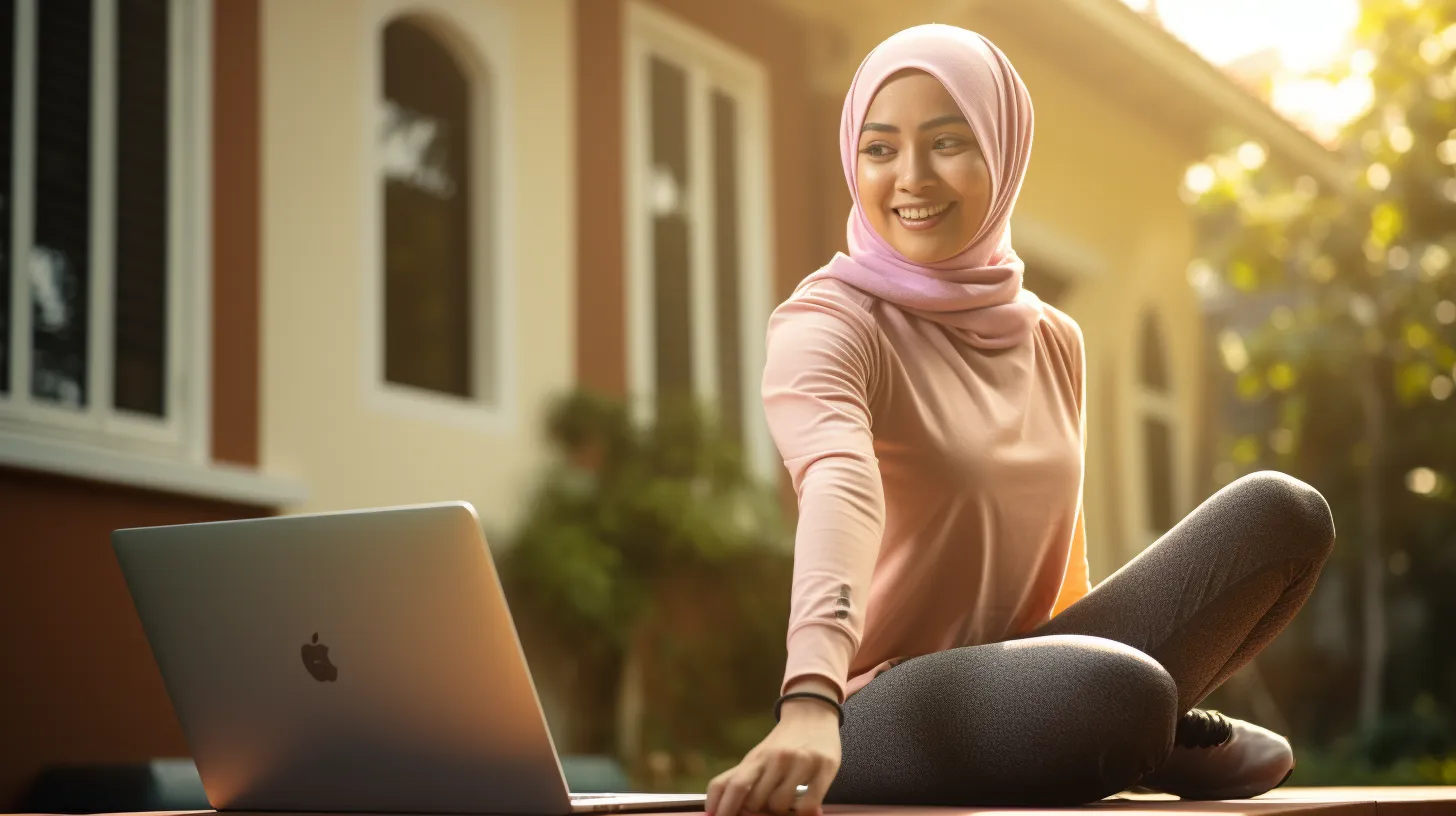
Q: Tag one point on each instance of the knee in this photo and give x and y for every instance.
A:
(1143, 698)
(1294, 514)
(1135, 701)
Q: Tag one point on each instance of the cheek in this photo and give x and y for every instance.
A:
(968, 175)
(875, 182)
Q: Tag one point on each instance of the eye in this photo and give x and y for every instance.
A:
(947, 142)
(877, 150)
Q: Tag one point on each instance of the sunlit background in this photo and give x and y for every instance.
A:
(1301, 55)
(268, 256)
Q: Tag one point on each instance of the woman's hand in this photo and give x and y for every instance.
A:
(803, 749)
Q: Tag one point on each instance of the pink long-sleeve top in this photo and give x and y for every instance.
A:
(939, 484)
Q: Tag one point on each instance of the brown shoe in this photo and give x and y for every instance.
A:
(1219, 757)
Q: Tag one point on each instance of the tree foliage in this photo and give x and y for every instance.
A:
(654, 552)
(1338, 317)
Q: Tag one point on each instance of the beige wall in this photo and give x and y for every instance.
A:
(1105, 181)
(321, 420)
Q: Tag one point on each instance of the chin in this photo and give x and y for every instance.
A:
(927, 252)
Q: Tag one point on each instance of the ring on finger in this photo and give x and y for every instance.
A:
(799, 791)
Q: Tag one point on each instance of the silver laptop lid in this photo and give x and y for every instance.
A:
(357, 661)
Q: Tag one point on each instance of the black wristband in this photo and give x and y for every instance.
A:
(814, 695)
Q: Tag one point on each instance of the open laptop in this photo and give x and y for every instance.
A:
(362, 661)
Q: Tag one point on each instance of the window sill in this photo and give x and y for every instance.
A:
(214, 481)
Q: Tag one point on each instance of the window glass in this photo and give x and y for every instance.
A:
(426, 144)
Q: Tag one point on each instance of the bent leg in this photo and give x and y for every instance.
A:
(1042, 721)
(1216, 589)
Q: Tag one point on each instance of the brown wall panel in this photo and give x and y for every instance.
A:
(236, 225)
(78, 683)
(832, 201)
(601, 338)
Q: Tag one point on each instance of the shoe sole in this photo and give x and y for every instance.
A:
(1287, 774)
(1223, 796)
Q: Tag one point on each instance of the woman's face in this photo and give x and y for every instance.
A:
(923, 182)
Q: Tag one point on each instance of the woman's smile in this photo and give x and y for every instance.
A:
(923, 217)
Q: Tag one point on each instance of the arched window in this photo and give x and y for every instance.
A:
(437, 332)
(1156, 400)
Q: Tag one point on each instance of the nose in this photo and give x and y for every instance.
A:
(916, 174)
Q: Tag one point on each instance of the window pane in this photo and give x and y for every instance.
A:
(668, 193)
(140, 382)
(726, 248)
(425, 146)
(60, 262)
(1158, 468)
(7, 144)
(1153, 370)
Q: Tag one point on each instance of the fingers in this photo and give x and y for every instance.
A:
(813, 799)
(732, 786)
(797, 772)
(775, 769)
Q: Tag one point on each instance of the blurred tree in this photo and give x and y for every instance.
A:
(1346, 372)
(653, 555)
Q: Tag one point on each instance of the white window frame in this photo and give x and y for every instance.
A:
(99, 429)
(708, 63)
(1152, 404)
(484, 54)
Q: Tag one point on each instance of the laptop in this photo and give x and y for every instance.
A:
(360, 662)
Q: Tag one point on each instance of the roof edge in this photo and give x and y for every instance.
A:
(1189, 69)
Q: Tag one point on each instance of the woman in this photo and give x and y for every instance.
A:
(930, 413)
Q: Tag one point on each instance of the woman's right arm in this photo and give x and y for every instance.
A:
(820, 373)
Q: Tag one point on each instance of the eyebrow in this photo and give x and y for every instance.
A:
(948, 119)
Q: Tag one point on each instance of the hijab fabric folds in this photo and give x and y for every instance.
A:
(976, 295)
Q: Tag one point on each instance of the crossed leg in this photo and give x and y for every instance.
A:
(1084, 705)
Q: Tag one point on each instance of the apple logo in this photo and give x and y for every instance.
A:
(316, 660)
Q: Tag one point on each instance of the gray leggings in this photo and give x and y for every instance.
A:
(1083, 706)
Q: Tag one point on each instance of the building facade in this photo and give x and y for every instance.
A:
(269, 256)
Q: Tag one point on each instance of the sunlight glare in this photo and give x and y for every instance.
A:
(1199, 178)
(1421, 480)
(1446, 152)
(1252, 155)
(1362, 62)
(1378, 176)
(1305, 37)
(1401, 139)
(1441, 387)
(1231, 348)
(1432, 50)
(1434, 260)
(1308, 34)
(1322, 105)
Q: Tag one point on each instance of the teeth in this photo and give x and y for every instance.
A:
(920, 213)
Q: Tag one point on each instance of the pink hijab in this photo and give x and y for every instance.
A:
(977, 294)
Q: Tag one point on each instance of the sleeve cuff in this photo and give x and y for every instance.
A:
(819, 650)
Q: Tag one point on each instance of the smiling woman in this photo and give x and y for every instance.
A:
(944, 644)
(923, 181)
